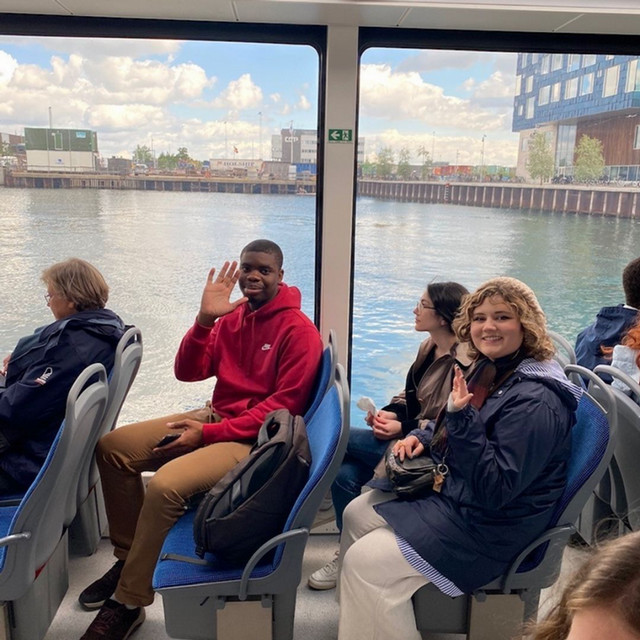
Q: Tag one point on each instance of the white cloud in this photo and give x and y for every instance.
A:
(131, 116)
(240, 94)
(463, 149)
(406, 96)
(303, 104)
(437, 60)
(8, 65)
(495, 92)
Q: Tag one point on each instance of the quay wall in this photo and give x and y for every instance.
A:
(49, 180)
(610, 201)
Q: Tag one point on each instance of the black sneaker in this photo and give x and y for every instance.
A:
(98, 592)
(114, 622)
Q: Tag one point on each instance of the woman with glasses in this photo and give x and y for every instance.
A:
(43, 366)
(426, 390)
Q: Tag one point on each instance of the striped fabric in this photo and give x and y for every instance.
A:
(422, 566)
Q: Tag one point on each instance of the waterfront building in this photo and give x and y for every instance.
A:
(300, 146)
(276, 148)
(120, 166)
(568, 95)
(74, 150)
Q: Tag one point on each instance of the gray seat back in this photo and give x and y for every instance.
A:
(125, 368)
(32, 530)
(627, 450)
(564, 354)
(82, 448)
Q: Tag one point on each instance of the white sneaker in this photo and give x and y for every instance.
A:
(327, 577)
(327, 503)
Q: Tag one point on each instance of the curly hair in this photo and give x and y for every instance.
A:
(536, 343)
(79, 282)
(610, 578)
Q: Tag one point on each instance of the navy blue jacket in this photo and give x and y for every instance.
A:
(42, 369)
(507, 469)
(610, 326)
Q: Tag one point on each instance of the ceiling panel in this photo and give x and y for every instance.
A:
(346, 13)
(168, 9)
(610, 23)
(47, 7)
(492, 20)
(571, 16)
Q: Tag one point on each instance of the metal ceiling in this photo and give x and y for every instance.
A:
(545, 16)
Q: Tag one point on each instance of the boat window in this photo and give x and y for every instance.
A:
(155, 159)
(449, 136)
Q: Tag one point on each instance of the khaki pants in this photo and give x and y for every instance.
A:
(139, 521)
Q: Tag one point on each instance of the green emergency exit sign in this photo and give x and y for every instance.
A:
(340, 135)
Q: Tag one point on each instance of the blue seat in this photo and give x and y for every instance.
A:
(538, 565)
(31, 531)
(326, 376)
(193, 594)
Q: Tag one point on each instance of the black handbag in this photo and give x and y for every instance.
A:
(414, 476)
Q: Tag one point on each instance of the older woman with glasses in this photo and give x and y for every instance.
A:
(43, 366)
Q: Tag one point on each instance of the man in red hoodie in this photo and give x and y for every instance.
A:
(264, 353)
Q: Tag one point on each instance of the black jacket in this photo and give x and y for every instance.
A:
(42, 369)
(608, 330)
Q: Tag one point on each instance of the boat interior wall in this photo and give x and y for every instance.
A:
(568, 16)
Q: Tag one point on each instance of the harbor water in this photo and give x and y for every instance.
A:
(155, 250)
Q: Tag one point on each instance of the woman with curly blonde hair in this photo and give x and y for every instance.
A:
(503, 441)
(602, 599)
(536, 342)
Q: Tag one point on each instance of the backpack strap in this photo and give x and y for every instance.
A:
(181, 558)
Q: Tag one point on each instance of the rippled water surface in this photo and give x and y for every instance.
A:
(155, 250)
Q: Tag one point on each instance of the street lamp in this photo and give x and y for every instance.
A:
(482, 161)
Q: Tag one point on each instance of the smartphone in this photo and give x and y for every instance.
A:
(170, 437)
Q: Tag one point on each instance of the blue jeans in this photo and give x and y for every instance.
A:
(364, 451)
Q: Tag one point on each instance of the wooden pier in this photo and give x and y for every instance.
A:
(622, 202)
(209, 184)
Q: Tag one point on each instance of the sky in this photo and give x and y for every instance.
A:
(211, 97)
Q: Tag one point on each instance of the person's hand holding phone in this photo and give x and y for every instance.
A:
(189, 438)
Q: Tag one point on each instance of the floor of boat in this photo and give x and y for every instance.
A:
(316, 611)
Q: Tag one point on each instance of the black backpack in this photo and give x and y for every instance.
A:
(251, 502)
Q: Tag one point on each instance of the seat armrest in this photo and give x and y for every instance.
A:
(556, 535)
(265, 548)
(14, 537)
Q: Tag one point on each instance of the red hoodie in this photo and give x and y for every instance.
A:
(263, 360)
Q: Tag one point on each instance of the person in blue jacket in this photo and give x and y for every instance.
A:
(505, 439)
(43, 366)
(611, 323)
